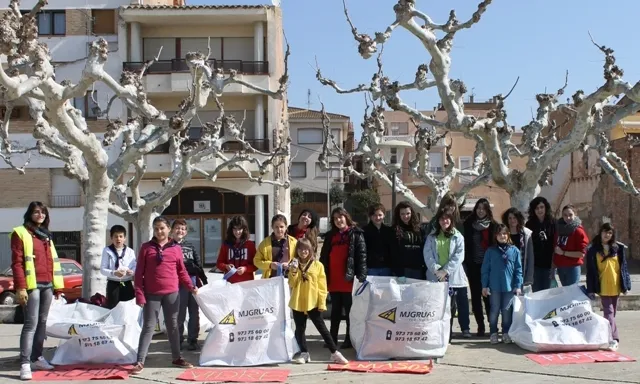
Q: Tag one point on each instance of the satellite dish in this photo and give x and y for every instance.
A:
(276, 2)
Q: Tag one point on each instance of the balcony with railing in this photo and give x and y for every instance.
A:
(180, 66)
(65, 201)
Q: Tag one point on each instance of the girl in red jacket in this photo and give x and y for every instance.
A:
(237, 251)
(571, 245)
(159, 271)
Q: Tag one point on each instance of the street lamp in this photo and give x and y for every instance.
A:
(393, 153)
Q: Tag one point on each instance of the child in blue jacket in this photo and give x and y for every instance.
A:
(501, 281)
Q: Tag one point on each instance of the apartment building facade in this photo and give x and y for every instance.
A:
(247, 39)
(399, 127)
(306, 130)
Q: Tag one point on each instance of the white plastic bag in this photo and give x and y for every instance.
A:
(94, 335)
(558, 320)
(404, 321)
(251, 323)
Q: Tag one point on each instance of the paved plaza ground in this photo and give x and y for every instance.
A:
(467, 361)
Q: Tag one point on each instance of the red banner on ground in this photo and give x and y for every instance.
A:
(579, 358)
(383, 367)
(236, 375)
(84, 372)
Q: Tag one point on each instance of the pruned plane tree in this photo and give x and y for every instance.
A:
(590, 115)
(104, 174)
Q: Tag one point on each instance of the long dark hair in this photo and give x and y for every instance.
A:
(414, 221)
(449, 201)
(32, 207)
(314, 218)
(531, 213)
(518, 215)
(499, 229)
(487, 207)
(339, 211)
(237, 222)
(597, 239)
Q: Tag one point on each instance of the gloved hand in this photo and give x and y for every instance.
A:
(22, 296)
(401, 280)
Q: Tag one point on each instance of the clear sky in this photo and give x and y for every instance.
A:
(537, 40)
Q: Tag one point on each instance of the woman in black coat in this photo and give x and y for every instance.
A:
(344, 256)
(478, 236)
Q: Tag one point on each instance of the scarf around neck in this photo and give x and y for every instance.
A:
(566, 229)
(280, 245)
(344, 236)
(503, 248)
(41, 233)
(119, 257)
(481, 224)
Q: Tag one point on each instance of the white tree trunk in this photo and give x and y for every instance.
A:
(95, 233)
(520, 199)
(143, 226)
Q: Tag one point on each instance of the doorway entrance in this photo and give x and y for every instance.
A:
(207, 212)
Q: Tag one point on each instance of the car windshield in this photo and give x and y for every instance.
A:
(7, 272)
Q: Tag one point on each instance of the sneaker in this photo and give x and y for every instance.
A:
(466, 334)
(302, 358)
(42, 364)
(137, 369)
(25, 372)
(337, 357)
(613, 346)
(506, 338)
(193, 346)
(493, 339)
(181, 363)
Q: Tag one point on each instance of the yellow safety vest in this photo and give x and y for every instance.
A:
(29, 266)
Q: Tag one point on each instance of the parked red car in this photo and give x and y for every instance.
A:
(71, 272)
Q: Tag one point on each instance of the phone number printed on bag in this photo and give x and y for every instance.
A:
(249, 335)
(573, 321)
(95, 341)
(407, 336)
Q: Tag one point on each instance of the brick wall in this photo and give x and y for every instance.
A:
(78, 22)
(19, 190)
(621, 208)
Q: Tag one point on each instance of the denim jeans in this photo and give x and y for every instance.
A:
(541, 279)
(34, 330)
(501, 303)
(418, 274)
(188, 302)
(379, 272)
(460, 302)
(569, 275)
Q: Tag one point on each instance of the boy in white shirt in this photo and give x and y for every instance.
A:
(119, 266)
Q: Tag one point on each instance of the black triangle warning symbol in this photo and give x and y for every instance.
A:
(389, 315)
(230, 319)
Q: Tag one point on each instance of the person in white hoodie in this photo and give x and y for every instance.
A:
(443, 255)
(119, 266)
